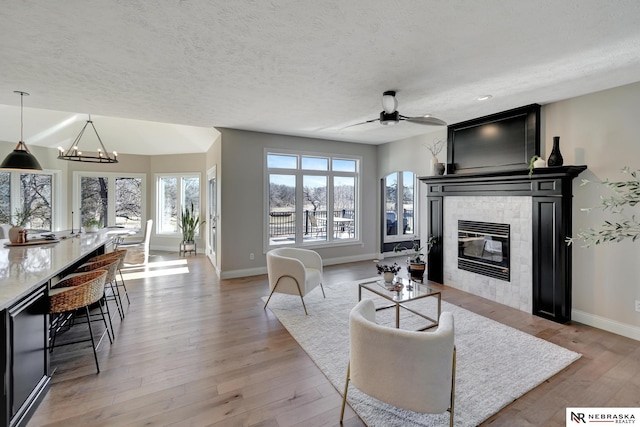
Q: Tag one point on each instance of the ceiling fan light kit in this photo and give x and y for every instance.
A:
(389, 102)
(390, 115)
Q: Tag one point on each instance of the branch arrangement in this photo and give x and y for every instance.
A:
(626, 193)
(436, 146)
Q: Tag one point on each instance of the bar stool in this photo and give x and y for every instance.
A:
(72, 294)
(111, 266)
(121, 254)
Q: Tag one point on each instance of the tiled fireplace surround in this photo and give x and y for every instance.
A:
(512, 210)
(538, 210)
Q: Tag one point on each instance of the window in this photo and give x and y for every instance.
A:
(399, 214)
(174, 194)
(28, 192)
(312, 199)
(113, 199)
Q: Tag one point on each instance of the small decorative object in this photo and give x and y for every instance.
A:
(388, 271)
(394, 287)
(536, 162)
(417, 265)
(18, 221)
(435, 148)
(439, 168)
(555, 158)
(92, 225)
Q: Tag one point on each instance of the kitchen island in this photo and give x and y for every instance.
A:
(26, 274)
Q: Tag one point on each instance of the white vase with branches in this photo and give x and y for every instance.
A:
(435, 148)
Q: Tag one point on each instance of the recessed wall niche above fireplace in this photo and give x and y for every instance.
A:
(483, 248)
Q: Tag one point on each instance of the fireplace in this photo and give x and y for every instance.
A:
(483, 248)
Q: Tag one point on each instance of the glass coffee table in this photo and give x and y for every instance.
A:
(400, 295)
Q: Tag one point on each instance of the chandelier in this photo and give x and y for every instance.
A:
(74, 155)
(21, 158)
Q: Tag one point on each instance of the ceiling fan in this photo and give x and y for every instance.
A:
(391, 116)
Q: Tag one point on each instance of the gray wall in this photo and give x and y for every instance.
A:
(242, 200)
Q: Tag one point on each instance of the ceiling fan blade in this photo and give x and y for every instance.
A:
(361, 123)
(432, 121)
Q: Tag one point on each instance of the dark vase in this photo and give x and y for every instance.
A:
(439, 168)
(555, 158)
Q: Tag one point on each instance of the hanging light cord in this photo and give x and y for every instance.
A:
(21, 145)
(21, 115)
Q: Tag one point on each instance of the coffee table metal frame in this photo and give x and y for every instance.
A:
(400, 297)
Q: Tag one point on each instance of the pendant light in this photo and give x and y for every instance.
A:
(21, 157)
(74, 155)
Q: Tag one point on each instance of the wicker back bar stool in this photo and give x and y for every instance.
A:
(71, 295)
(111, 266)
(121, 254)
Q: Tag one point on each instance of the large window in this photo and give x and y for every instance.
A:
(312, 199)
(28, 194)
(399, 206)
(111, 198)
(174, 194)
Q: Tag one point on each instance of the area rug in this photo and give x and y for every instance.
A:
(496, 364)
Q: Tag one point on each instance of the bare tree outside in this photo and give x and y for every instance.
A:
(94, 199)
(128, 202)
(5, 197)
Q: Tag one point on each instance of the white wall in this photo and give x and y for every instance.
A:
(412, 155)
(600, 130)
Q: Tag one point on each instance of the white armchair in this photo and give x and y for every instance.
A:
(294, 271)
(407, 369)
(137, 249)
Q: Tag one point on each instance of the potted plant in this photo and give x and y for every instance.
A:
(189, 223)
(388, 271)
(92, 225)
(536, 162)
(18, 222)
(416, 262)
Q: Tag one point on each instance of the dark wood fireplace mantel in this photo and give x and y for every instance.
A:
(551, 190)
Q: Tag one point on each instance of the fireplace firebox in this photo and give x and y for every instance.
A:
(483, 248)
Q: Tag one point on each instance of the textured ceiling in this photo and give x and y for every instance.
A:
(298, 67)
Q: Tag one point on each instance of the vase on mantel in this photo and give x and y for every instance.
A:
(434, 167)
(555, 158)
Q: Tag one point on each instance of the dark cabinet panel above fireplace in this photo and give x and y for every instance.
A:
(499, 142)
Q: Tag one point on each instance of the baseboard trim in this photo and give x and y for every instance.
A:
(344, 260)
(234, 274)
(245, 272)
(608, 325)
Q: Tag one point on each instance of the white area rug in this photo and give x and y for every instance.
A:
(496, 364)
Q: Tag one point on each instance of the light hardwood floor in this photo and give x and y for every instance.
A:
(197, 351)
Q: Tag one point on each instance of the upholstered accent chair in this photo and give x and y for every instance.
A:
(294, 271)
(407, 369)
(138, 248)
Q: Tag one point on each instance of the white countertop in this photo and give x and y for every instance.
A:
(24, 268)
